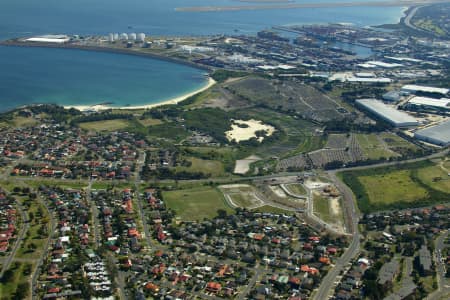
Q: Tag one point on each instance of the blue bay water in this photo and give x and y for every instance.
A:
(73, 77)
(76, 77)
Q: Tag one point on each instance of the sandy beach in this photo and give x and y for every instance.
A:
(100, 107)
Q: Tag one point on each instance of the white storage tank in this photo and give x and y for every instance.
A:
(132, 36)
(141, 37)
(124, 37)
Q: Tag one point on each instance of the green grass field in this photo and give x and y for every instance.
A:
(392, 187)
(213, 167)
(296, 189)
(107, 125)
(196, 203)
(401, 186)
(436, 177)
(150, 122)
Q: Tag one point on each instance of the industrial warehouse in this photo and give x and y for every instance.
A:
(438, 135)
(388, 113)
(425, 103)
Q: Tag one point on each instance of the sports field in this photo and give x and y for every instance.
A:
(196, 203)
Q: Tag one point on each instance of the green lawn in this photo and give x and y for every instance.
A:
(103, 185)
(296, 189)
(196, 203)
(150, 122)
(213, 167)
(400, 186)
(435, 177)
(392, 187)
(107, 125)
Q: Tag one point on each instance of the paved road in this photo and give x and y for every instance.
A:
(408, 18)
(442, 281)
(258, 271)
(352, 217)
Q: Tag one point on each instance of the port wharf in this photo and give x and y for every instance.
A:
(126, 51)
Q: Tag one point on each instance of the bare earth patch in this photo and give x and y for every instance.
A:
(243, 165)
(244, 130)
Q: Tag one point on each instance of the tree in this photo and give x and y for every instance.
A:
(22, 291)
(222, 213)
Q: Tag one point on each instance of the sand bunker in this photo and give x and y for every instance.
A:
(244, 130)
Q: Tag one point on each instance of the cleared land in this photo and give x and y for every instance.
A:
(107, 125)
(373, 147)
(196, 203)
(328, 209)
(322, 207)
(242, 195)
(296, 189)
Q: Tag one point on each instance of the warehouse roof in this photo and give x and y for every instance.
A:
(442, 103)
(50, 38)
(425, 89)
(389, 113)
(439, 134)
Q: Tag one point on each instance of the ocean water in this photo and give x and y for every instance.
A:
(72, 77)
(76, 77)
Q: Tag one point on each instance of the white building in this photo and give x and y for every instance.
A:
(438, 135)
(412, 88)
(50, 38)
(388, 113)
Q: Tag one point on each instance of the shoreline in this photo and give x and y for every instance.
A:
(171, 101)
